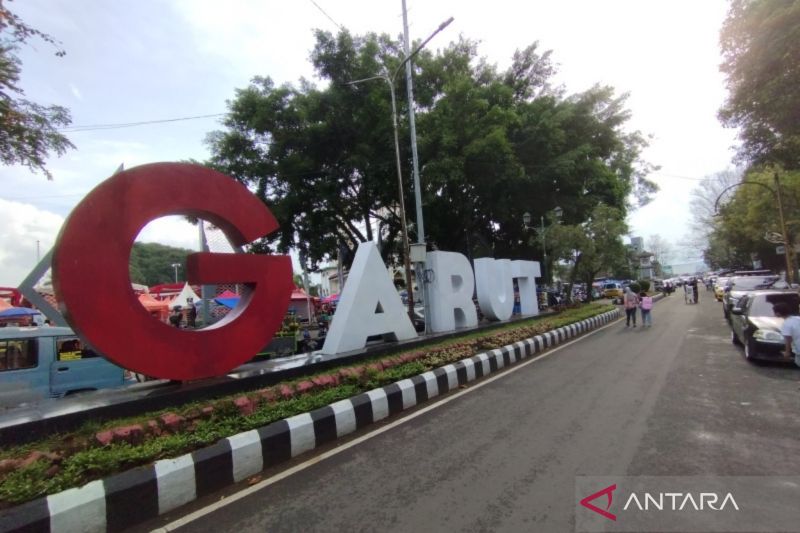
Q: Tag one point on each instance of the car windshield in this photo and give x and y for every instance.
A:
(762, 303)
(752, 282)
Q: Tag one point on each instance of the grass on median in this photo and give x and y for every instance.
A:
(72, 459)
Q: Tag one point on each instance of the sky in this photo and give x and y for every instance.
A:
(134, 61)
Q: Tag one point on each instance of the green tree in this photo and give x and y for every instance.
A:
(151, 263)
(592, 247)
(28, 130)
(746, 214)
(493, 145)
(761, 50)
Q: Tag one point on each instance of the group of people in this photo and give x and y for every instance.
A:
(644, 303)
(176, 317)
(690, 291)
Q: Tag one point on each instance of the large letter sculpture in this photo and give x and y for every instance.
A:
(369, 305)
(92, 282)
(451, 292)
(526, 273)
(495, 287)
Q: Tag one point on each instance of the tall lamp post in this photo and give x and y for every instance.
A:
(390, 79)
(175, 266)
(776, 192)
(526, 219)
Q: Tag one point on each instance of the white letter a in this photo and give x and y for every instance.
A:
(368, 305)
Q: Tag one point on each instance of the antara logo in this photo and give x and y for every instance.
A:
(661, 501)
(608, 492)
(678, 501)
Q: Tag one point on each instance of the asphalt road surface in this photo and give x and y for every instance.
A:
(674, 399)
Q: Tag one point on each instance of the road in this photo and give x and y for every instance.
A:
(674, 399)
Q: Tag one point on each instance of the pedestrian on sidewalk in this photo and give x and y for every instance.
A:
(790, 329)
(646, 305)
(631, 302)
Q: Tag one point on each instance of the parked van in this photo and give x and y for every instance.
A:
(612, 290)
(50, 362)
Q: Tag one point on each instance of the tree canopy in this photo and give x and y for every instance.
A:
(746, 214)
(760, 42)
(28, 130)
(492, 144)
(591, 247)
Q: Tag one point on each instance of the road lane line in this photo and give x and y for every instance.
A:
(191, 517)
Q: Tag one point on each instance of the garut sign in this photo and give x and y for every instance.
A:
(92, 283)
(93, 286)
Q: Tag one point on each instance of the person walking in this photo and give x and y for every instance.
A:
(695, 294)
(630, 301)
(191, 315)
(176, 317)
(646, 305)
(790, 329)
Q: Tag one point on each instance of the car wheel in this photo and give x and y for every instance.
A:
(734, 339)
(750, 350)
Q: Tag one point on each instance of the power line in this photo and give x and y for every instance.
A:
(324, 13)
(95, 127)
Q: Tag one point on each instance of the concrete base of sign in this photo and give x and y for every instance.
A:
(144, 493)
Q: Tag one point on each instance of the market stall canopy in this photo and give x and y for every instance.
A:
(300, 294)
(13, 312)
(331, 299)
(182, 299)
(228, 299)
(155, 307)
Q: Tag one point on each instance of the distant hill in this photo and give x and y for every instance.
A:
(151, 263)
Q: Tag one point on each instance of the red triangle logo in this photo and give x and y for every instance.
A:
(602, 512)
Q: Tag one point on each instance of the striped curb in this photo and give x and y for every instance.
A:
(144, 493)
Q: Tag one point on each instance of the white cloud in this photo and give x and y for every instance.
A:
(171, 231)
(23, 228)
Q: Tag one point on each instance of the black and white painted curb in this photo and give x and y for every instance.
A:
(141, 494)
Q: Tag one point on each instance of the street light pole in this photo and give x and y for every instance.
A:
(789, 247)
(544, 253)
(391, 81)
(406, 248)
(175, 266)
(419, 267)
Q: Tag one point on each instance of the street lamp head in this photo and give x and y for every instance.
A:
(526, 219)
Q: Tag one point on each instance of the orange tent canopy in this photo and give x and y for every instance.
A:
(157, 307)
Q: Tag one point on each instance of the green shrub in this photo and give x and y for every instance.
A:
(635, 287)
(644, 285)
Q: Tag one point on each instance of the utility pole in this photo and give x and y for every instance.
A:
(390, 79)
(419, 268)
(788, 245)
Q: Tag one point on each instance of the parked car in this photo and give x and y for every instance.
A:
(51, 362)
(612, 290)
(738, 286)
(754, 325)
(719, 287)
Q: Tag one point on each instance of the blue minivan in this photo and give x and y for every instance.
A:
(51, 362)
